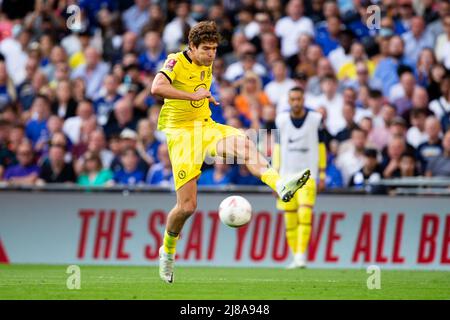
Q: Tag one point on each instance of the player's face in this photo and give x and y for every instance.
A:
(296, 100)
(205, 53)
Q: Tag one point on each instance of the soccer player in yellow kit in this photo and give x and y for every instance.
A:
(185, 118)
(300, 146)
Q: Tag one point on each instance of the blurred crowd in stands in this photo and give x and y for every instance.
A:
(76, 106)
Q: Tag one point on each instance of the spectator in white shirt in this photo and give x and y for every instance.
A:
(436, 28)
(442, 48)
(342, 55)
(416, 134)
(441, 106)
(380, 134)
(174, 31)
(290, 27)
(351, 159)
(14, 50)
(97, 143)
(72, 126)
(403, 89)
(92, 72)
(281, 84)
(247, 23)
(333, 102)
(247, 62)
(136, 16)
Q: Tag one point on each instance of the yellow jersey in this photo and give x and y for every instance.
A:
(184, 75)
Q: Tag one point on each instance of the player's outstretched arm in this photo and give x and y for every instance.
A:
(161, 86)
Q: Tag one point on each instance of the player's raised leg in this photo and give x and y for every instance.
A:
(246, 150)
(184, 208)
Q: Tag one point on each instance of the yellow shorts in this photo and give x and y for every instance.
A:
(188, 147)
(306, 196)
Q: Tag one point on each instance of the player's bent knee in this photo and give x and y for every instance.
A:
(187, 208)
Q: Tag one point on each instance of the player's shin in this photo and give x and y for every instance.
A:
(304, 228)
(170, 242)
(291, 221)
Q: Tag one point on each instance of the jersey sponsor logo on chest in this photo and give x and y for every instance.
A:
(202, 75)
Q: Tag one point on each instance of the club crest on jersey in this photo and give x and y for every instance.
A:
(202, 75)
(170, 64)
(181, 174)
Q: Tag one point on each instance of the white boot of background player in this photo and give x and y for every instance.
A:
(298, 262)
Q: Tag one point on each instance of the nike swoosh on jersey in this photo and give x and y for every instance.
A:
(290, 140)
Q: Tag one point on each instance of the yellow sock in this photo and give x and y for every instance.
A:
(271, 177)
(170, 243)
(304, 227)
(291, 221)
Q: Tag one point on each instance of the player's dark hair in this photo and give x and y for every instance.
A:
(203, 32)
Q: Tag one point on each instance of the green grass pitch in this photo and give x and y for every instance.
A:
(129, 282)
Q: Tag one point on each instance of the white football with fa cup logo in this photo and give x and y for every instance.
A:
(235, 211)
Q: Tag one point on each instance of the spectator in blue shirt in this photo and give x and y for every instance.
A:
(334, 177)
(220, 175)
(152, 59)
(147, 144)
(386, 71)
(359, 26)
(327, 36)
(405, 12)
(127, 139)
(105, 104)
(241, 176)
(92, 7)
(36, 129)
(25, 172)
(130, 173)
(216, 111)
(26, 90)
(137, 16)
(417, 39)
(433, 146)
(7, 89)
(161, 173)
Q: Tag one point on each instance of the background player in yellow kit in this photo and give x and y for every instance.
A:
(300, 146)
(184, 82)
